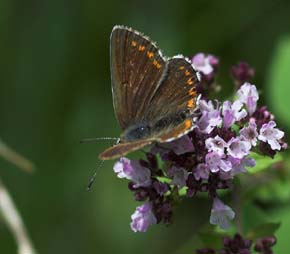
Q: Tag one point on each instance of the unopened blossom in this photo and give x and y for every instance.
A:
(232, 112)
(216, 162)
(248, 95)
(201, 171)
(178, 175)
(142, 218)
(242, 72)
(216, 144)
(238, 148)
(204, 63)
(250, 133)
(221, 214)
(181, 145)
(132, 170)
(210, 117)
(271, 135)
(160, 188)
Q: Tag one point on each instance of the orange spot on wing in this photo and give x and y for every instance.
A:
(150, 54)
(134, 43)
(181, 67)
(190, 103)
(187, 124)
(155, 63)
(192, 91)
(141, 48)
(187, 73)
(189, 81)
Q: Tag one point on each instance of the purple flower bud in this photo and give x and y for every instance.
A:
(250, 133)
(261, 116)
(215, 162)
(142, 218)
(178, 175)
(238, 148)
(271, 135)
(242, 72)
(248, 95)
(221, 214)
(132, 170)
(160, 188)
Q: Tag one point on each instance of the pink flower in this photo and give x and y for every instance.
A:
(132, 170)
(248, 95)
(250, 133)
(271, 135)
(216, 144)
(232, 112)
(204, 63)
(238, 148)
(201, 171)
(238, 166)
(215, 162)
(142, 218)
(221, 214)
(178, 175)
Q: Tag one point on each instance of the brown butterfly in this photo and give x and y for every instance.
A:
(154, 97)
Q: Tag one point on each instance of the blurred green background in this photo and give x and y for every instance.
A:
(55, 90)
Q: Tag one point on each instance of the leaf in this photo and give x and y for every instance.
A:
(263, 162)
(263, 230)
(277, 87)
(212, 239)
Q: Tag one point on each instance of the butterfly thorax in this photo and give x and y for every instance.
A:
(136, 132)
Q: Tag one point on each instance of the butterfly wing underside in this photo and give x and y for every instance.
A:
(148, 88)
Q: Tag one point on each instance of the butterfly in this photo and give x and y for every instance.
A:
(153, 96)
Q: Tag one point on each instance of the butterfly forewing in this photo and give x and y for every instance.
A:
(136, 70)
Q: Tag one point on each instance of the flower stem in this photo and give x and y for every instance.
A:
(14, 222)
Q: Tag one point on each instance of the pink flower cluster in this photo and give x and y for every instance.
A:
(205, 160)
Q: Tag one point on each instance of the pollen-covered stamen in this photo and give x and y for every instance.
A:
(187, 73)
(181, 67)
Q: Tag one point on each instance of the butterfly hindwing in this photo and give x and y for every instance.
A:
(122, 149)
(176, 93)
(136, 70)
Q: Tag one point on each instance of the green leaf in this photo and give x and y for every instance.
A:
(263, 162)
(263, 230)
(278, 88)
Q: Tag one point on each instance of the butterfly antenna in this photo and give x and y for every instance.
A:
(93, 178)
(86, 140)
